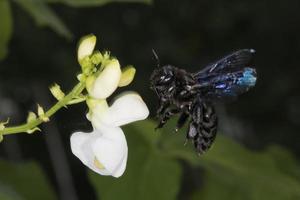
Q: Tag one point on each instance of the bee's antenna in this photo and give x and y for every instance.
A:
(156, 57)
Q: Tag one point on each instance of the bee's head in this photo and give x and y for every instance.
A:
(163, 80)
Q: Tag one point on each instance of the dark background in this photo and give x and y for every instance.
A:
(187, 34)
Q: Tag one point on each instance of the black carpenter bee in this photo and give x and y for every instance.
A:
(192, 94)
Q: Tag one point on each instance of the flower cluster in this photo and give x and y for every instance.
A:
(104, 150)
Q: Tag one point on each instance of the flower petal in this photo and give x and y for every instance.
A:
(127, 108)
(107, 81)
(82, 149)
(120, 170)
(111, 150)
(103, 151)
(80, 146)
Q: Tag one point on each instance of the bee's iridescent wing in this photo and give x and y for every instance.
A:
(228, 77)
(234, 61)
(230, 84)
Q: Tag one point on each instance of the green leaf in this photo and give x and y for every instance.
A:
(26, 179)
(146, 130)
(269, 174)
(44, 16)
(285, 161)
(149, 175)
(88, 3)
(7, 193)
(231, 170)
(5, 26)
(216, 188)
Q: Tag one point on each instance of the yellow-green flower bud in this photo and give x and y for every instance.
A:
(86, 65)
(2, 124)
(96, 58)
(127, 76)
(31, 117)
(2, 127)
(86, 46)
(41, 114)
(57, 92)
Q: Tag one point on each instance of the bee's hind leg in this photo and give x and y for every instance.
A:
(181, 121)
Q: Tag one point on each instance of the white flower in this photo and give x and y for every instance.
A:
(105, 149)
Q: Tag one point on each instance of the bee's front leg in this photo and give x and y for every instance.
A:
(165, 116)
(163, 105)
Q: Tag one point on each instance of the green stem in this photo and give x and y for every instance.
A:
(32, 124)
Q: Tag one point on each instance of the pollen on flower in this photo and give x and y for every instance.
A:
(98, 164)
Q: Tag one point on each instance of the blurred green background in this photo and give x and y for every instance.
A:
(256, 153)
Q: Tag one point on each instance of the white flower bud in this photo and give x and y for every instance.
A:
(107, 81)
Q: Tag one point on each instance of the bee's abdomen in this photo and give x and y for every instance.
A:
(206, 129)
